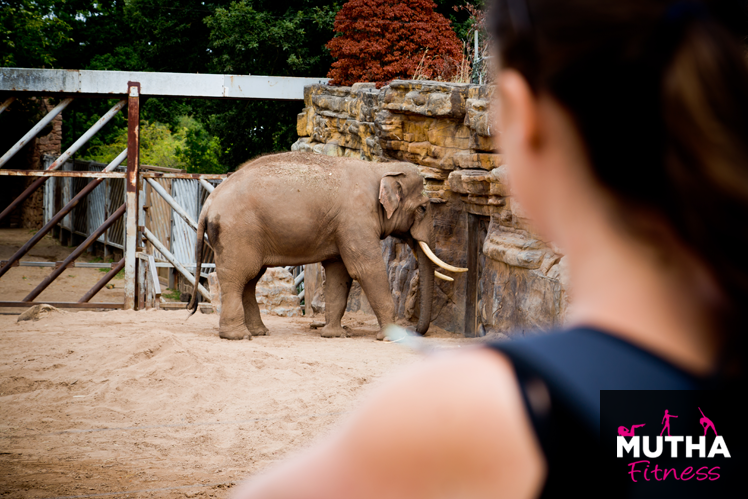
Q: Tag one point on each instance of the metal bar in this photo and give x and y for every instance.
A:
(133, 160)
(169, 256)
(35, 130)
(176, 207)
(87, 136)
(155, 84)
(64, 173)
(103, 282)
(162, 169)
(301, 295)
(154, 275)
(84, 265)
(187, 266)
(75, 254)
(208, 186)
(298, 279)
(59, 216)
(194, 176)
(59, 304)
(7, 103)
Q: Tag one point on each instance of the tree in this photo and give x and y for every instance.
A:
(30, 34)
(272, 38)
(380, 40)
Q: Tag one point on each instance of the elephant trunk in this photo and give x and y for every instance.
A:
(426, 281)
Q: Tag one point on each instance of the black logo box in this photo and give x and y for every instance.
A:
(630, 407)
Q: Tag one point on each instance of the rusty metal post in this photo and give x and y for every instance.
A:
(103, 281)
(133, 160)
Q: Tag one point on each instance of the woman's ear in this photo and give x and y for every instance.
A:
(390, 192)
(518, 110)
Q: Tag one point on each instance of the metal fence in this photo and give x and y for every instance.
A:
(149, 216)
(91, 212)
(171, 229)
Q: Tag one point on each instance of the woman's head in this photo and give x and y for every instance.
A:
(657, 92)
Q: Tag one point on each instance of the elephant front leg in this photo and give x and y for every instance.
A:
(252, 319)
(337, 287)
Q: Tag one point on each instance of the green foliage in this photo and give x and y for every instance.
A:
(190, 147)
(30, 34)
(200, 152)
(265, 37)
(251, 37)
(172, 294)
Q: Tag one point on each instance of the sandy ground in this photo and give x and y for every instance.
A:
(70, 286)
(150, 404)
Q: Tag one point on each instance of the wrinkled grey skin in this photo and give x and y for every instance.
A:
(297, 208)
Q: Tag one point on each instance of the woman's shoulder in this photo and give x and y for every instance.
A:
(453, 425)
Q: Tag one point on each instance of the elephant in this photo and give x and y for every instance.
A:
(296, 208)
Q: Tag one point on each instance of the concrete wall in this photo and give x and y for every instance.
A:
(516, 281)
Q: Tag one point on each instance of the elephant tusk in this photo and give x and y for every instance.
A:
(435, 259)
(443, 277)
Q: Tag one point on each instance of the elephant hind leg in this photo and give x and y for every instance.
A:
(252, 318)
(234, 287)
(337, 287)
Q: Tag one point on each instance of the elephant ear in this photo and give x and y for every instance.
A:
(390, 192)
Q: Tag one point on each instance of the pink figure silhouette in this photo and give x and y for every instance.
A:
(706, 423)
(666, 420)
(622, 431)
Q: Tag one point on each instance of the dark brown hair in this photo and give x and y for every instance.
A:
(659, 92)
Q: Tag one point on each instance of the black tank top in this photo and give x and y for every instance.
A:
(561, 375)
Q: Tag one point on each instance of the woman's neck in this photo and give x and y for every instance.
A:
(661, 299)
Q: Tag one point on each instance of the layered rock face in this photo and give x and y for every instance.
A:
(516, 281)
(276, 294)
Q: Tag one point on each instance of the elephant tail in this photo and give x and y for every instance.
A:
(198, 260)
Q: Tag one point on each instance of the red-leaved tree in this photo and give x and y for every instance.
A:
(381, 40)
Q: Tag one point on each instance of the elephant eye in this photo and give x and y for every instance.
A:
(422, 209)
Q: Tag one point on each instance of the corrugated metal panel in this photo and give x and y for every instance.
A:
(158, 218)
(80, 212)
(67, 221)
(49, 192)
(184, 192)
(115, 199)
(96, 213)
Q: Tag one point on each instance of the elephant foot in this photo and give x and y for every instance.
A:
(239, 333)
(381, 335)
(260, 330)
(333, 332)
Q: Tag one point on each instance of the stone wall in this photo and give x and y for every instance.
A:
(516, 281)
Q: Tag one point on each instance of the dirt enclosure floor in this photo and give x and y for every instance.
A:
(149, 404)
